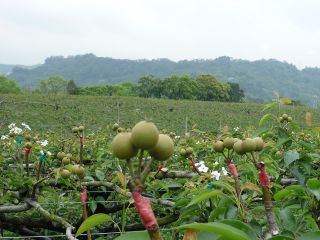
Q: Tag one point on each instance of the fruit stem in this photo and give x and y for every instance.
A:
(131, 169)
(140, 161)
(85, 210)
(81, 150)
(237, 186)
(267, 198)
(146, 170)
(39, 169)
(34, 188)
(27, 152)
(194, 166)
(147, 216)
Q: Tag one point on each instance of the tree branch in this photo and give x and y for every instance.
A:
(15, 208)
(124, 192)
(53, 217)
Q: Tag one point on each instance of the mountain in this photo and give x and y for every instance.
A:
(6, 68)
(259, 79)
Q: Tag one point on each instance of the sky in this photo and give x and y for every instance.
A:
(287, 30)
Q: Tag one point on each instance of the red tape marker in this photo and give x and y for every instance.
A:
(193, 164)
(27, 151)
(81, 140)
(145, 210)
(84, 196)
(264, 178)
(233, 169)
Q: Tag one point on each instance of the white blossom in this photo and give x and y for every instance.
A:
(203, 168)
(224, 171)
(11, 125)
(26, 126)
(177, 137)
(49, 153)
(215, 163)
(216, 175)
(4, 137)
(44, 143)
(236, 129)
(16, 130)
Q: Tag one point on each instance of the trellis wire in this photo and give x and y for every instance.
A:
(63, 235)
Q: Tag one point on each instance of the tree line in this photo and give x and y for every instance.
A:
(204, 87)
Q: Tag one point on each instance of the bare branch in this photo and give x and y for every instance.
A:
(15, 208)
(53, 217)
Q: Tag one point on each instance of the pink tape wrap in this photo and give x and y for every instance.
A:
(264, 178)
(84, 196)
(233, 169)
(145, 210)
(27, 151)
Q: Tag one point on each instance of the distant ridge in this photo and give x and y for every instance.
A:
(258, 78)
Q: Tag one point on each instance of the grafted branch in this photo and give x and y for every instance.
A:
(125, 193)
(22, 207)
(53, 217)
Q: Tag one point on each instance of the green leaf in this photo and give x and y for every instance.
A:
(93, 221)
(241, 226)
(298, 174)
(265, 118)
(100, 175)
(260, 131)
(290, 156)
(310, 236)
(203, 197)
(281, 237)
(93, 206)
(134, 236)
(269, 105)
(225, 186)
(313, 186)
(290, 191)
(226, 231)
(282, 141)
(207, 236)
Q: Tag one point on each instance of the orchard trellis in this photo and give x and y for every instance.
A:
(46, 195)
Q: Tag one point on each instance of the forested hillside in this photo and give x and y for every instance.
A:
(258, 79)
(6, 68)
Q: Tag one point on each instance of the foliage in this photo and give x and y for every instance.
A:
(8, 86)
(204, 87)
(53, 85)
(99, 112)
(258, 79)
(72, 88)
(204, 202)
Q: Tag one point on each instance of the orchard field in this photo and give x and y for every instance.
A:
(80, 168)
(97, 113)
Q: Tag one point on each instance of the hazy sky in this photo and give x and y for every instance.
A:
(288, 30)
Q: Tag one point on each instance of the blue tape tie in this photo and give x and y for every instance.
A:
(43, 158)
(19, 139)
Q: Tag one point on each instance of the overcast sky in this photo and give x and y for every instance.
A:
(287, 30)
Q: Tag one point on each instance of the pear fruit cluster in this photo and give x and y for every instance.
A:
(144, 135)
(239, 146)
(186, 151)
(66, 159)
(79, 129)
(285, 118)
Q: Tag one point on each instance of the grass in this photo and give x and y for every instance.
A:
(97, 112)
